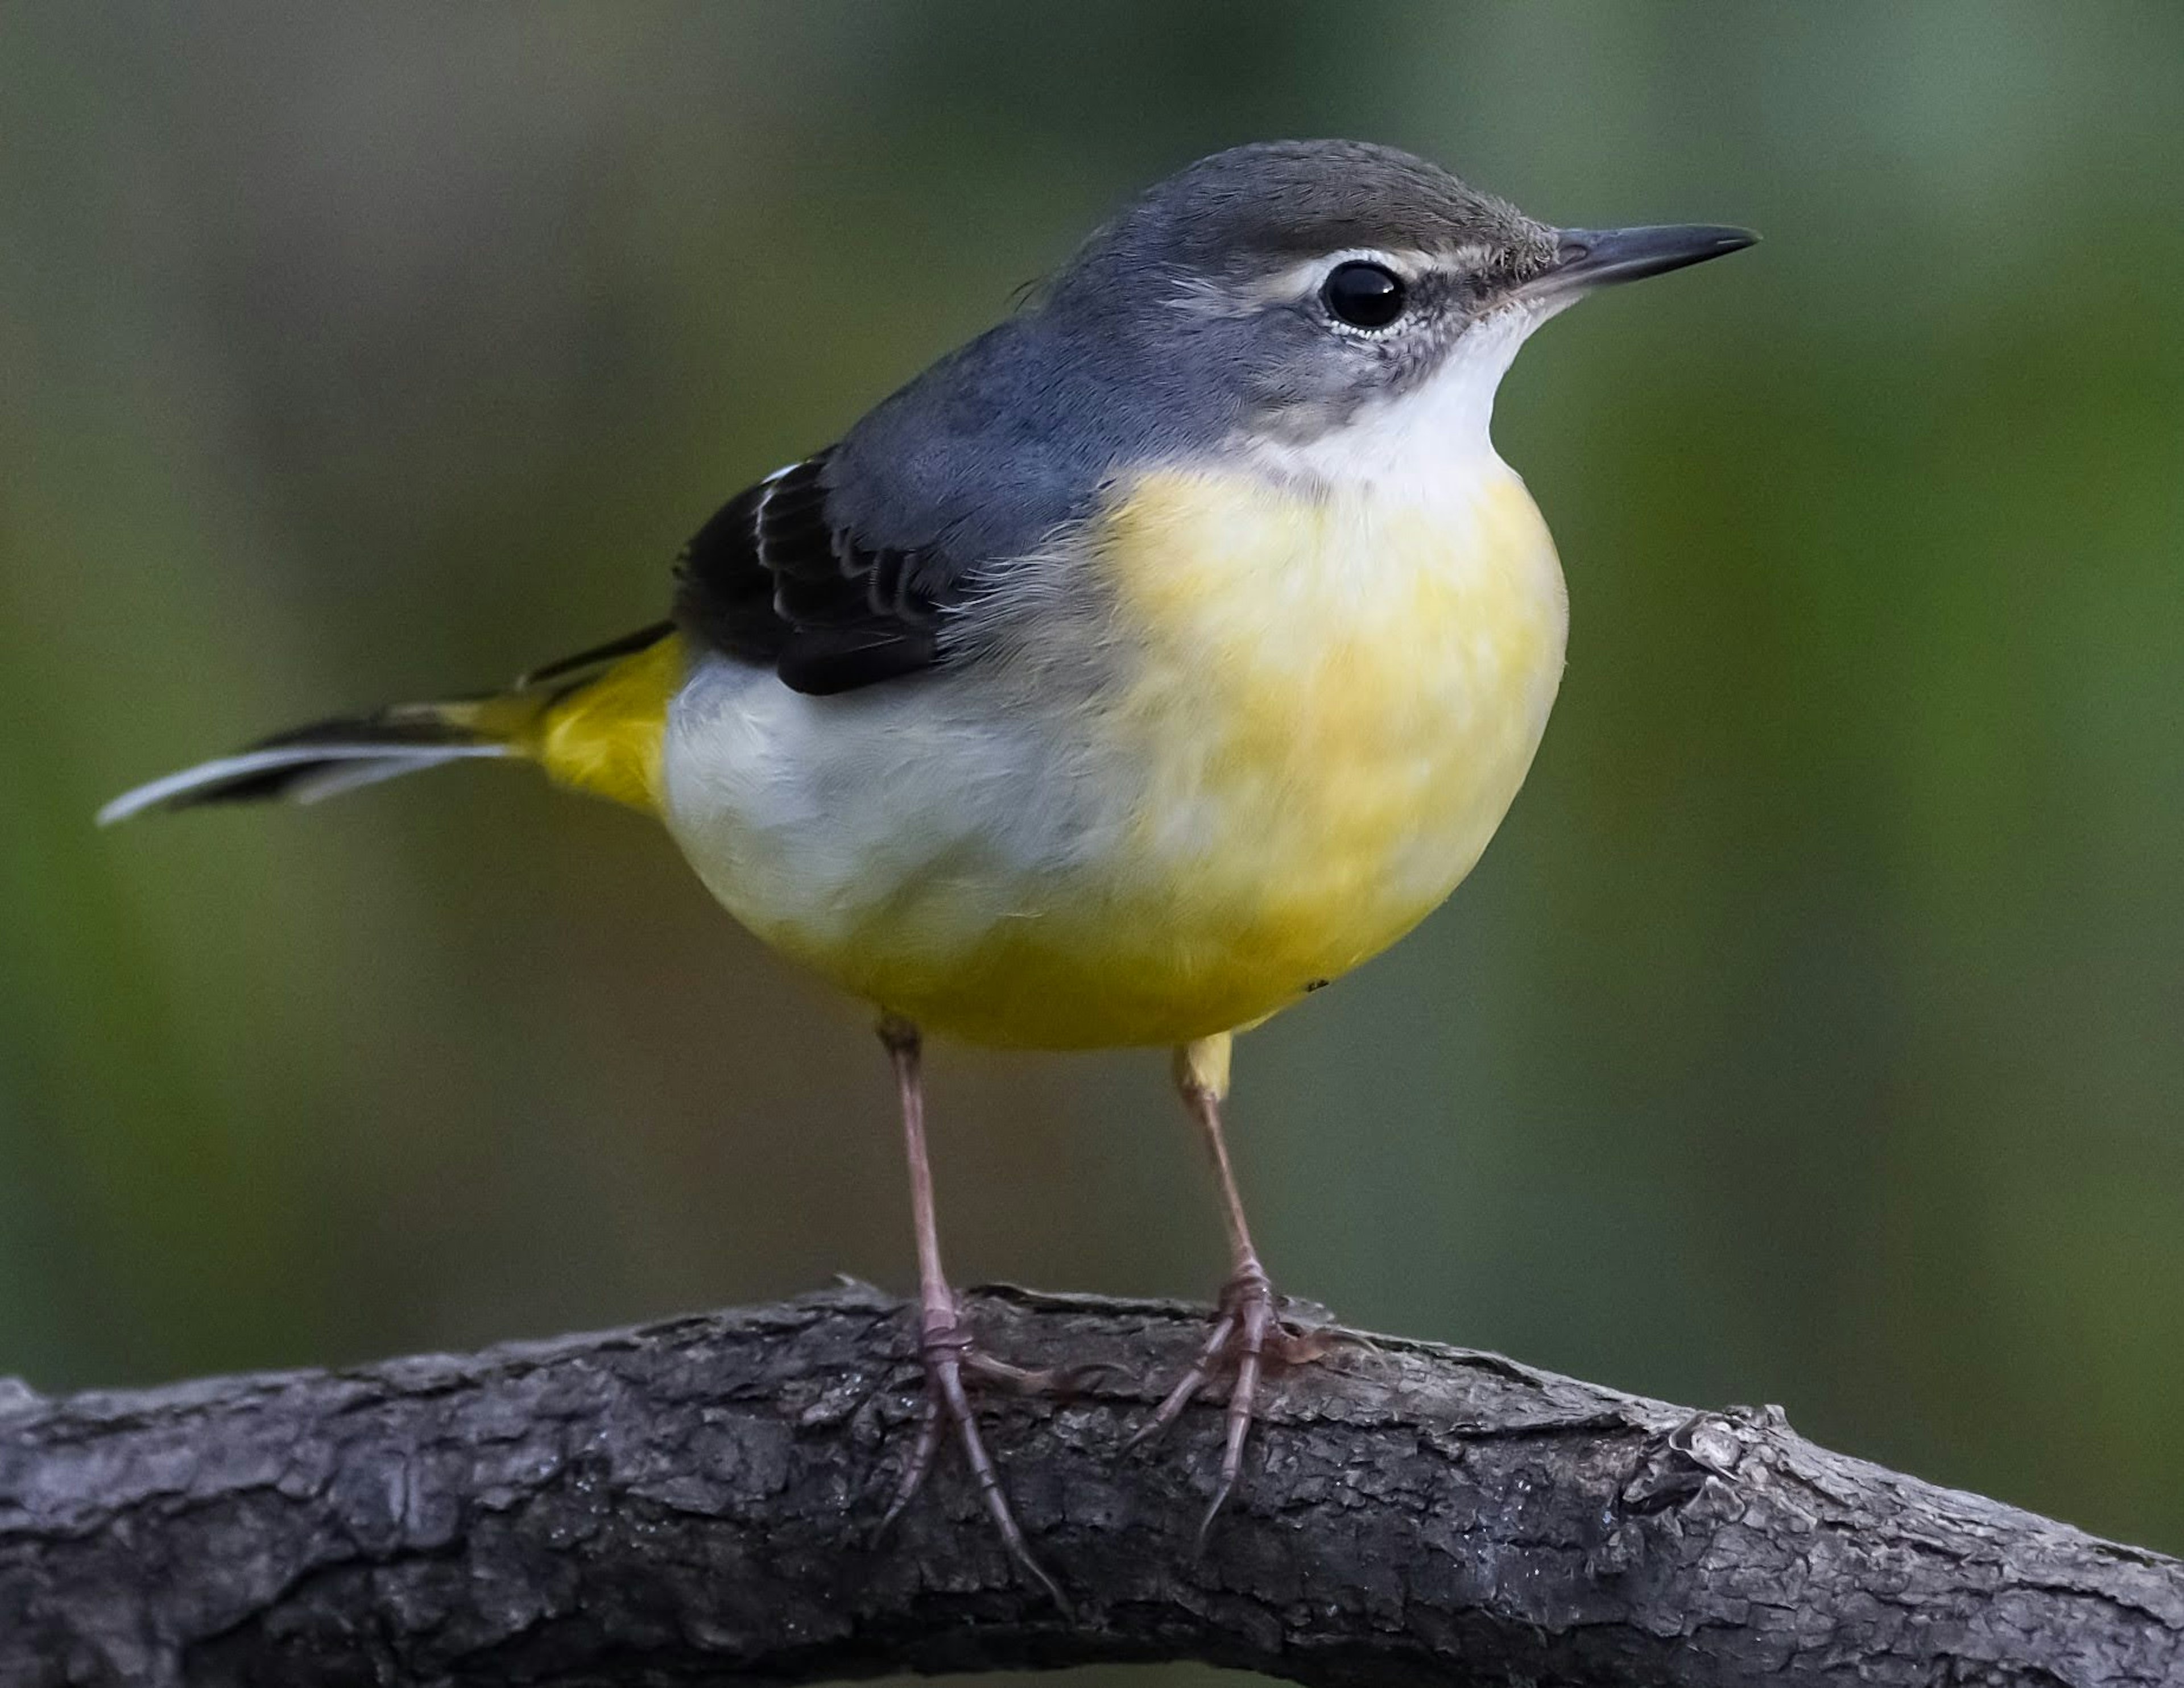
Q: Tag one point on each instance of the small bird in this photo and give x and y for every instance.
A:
(1145, 664)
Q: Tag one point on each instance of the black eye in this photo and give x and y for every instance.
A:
(1364, 295)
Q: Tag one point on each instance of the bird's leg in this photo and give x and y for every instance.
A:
(944, 1340)
(1246, 1330)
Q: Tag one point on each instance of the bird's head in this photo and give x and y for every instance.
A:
(1336, 302)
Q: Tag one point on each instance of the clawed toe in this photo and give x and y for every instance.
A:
(947, 1352)
(1247, 1335)
(1059, 1382)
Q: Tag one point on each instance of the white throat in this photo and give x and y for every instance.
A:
(1431, 441)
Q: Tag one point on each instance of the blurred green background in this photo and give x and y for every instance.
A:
(1811, 1033)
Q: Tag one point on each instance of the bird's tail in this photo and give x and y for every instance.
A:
(594, 721)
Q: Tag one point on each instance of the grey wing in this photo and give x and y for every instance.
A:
(839, 571)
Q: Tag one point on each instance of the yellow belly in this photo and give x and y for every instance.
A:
(1325, 705)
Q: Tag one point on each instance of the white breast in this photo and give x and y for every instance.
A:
(936, 804)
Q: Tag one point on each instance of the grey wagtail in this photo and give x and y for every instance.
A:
(1149, 662)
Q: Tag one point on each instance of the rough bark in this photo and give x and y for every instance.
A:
(690, 1499)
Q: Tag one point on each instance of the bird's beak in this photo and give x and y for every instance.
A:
(1585, 259)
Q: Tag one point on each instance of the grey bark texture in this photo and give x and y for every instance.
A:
(693, 1500)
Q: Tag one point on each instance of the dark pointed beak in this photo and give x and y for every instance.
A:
(1585, 259)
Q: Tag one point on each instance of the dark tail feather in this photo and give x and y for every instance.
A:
(332, 757)
(319, 761)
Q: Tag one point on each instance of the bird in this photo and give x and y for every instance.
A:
(1144, 666)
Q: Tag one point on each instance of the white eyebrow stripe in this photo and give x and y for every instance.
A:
(1208, 297)
(1303, 276)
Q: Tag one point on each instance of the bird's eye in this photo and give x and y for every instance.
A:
(1364, 295)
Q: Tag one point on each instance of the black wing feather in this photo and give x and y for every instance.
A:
(772, 579)
(586, 664)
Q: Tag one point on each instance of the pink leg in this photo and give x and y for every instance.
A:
(1246, 1329)
(943, 1342)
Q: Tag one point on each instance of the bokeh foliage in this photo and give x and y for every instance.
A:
(1810, 1035)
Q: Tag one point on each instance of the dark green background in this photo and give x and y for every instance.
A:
(1810, 1034)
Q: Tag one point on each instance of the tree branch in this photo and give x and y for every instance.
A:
(690, 1499)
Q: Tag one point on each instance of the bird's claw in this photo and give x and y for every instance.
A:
(947, 1352)
(1247, 1335)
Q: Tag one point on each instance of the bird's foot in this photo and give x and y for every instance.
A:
(948, 1352)
(1248, 1335)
